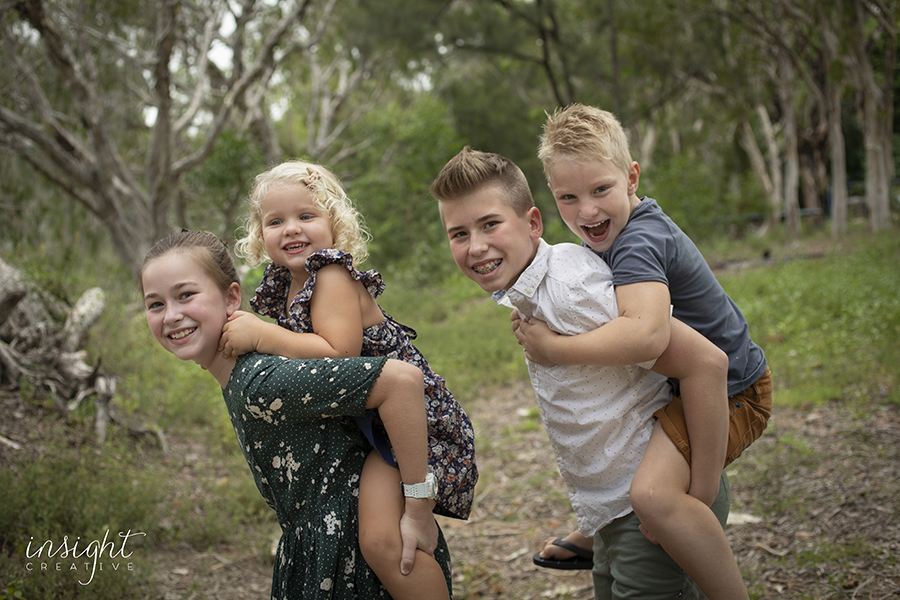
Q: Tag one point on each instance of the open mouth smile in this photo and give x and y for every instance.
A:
(180, 335)
(597, 231)
(487, 267)
(296, 247)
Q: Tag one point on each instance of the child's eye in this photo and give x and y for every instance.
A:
(457, 235)
(274, 222)
(306, 217)
(601, 189)
(185, 295)
(491, 224)
(154, 305)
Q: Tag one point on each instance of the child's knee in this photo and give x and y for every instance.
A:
(641, 495)
(403, 374)
(378, 545)
(651, 502)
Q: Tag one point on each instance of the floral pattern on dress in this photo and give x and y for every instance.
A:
(292, 421)
(451, 439)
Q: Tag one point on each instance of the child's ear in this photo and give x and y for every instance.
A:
(536, 224)
(232, 298)
(634, 176)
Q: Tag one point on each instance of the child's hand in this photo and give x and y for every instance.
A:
(535, 337)
(516, 319)
(650, 537)
(240, 334)
(418, 529)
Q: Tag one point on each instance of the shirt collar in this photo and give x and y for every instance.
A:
(527, 283)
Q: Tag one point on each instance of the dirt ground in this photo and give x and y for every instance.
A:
(815, 507)
(815, 511)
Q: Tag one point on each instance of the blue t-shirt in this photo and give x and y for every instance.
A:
(651, 247)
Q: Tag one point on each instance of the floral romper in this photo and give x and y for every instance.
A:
(291, 418)
(451, 439)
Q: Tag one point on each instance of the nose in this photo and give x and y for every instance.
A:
(173, 314)
(292, 226)
(587, 209)
(477, 244)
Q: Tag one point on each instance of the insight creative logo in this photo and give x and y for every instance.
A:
(50, 556)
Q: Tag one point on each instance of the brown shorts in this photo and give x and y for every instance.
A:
(750, 412)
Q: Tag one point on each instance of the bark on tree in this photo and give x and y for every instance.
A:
(837, 147)
(758, 163)
(38, 345)
(774, 159)
(794, 31)
(68, 141)
(839, 196)
(876, 109)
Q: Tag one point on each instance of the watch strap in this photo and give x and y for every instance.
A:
(426, 489)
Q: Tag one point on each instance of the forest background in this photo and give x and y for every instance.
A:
(765, 128)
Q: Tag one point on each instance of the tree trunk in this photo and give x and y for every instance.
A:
(791, 156)
(647, 143)
(57, 120)
(839, 199)
(774, 159)
(36, 345)
(876, 117)
(831, 24)
(757, 161)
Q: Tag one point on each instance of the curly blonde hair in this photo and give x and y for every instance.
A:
(347, 227)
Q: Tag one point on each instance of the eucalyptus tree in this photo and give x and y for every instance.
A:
(116, 102)
(819, 49)
(873, 31)
(657, 65)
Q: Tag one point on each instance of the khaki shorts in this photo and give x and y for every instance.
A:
(750, 412)
(626, 565)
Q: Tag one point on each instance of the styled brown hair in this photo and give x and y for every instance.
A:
(586, 132)
(210, 252)
(470, 170)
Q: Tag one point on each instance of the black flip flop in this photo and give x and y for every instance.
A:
(583, 559)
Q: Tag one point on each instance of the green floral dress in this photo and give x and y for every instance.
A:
(292, 420)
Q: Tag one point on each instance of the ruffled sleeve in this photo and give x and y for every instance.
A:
(272, 292)
(371, 279)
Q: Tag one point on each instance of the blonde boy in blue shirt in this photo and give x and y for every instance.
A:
(494, 231)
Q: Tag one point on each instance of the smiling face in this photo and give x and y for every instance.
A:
(294, 227)
(595, 198)
(490, 242)
(186, 309)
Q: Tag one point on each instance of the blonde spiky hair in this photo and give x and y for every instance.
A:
(585, 132)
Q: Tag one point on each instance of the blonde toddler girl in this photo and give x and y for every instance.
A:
(301, 219)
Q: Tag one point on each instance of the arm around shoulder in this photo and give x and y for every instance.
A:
(640, 333)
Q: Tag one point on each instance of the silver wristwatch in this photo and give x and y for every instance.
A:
(426, 489)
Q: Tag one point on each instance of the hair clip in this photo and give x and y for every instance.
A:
(311, 177)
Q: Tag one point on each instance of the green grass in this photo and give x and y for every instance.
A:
(464, 335)
(70, 497)
(828, 325)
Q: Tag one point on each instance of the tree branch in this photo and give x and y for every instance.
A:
(236, 93)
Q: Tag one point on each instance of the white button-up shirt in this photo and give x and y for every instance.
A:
(598, 419)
